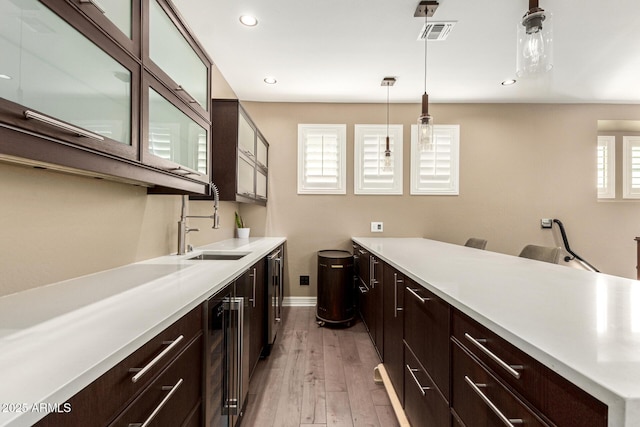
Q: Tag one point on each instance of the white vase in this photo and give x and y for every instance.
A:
(243, 233)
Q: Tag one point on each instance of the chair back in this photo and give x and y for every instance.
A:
(541, 253)
(476, 243)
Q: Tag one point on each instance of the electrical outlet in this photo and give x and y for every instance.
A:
(304, 280)
(376, 227)
(546, 223)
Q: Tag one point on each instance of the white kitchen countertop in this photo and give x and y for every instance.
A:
(57, 339)
(583, 325)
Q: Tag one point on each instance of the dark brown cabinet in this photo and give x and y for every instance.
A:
(240, 164)
(424, 404)
(426, 332)
(480, 399)
(135, 385)
(393, 322)
(370, 297)
(258, 303)
(546, 394)
(102, 109)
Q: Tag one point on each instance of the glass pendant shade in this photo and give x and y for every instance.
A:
(425, 126)
(387, 158)
(535, 43)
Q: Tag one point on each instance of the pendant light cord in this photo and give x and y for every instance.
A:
(387, 111)
(426, 36)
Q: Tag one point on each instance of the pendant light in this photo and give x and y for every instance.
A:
(535, 42)
(388, 82)
(425, 121)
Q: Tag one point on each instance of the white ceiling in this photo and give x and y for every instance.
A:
(339, 50)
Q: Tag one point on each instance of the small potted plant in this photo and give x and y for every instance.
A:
(243, 232)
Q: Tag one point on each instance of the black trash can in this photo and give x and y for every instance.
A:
(335, 287)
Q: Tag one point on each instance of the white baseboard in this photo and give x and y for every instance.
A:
(299, 301)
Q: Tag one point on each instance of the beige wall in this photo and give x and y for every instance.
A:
(55, 226)
(519, 163)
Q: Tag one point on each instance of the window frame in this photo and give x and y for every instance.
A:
(609, 170)
(628, 143)
(340, 132)
(453, 188)
(360, 186)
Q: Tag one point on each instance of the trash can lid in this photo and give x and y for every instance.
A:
(334, 253)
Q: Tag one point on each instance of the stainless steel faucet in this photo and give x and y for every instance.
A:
(183, 229)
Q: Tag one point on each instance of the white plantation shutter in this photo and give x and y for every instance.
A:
(606, 167)
(370, 174)
(436, 171)
(160, 139)
(631, 167)
(321, 159)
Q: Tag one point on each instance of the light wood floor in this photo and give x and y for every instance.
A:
(318, 377)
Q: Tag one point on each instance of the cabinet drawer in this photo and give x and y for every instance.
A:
(423, 403)
(480, 399)
(101, 400)
(426, 332)
(562, 402)
(171, 398)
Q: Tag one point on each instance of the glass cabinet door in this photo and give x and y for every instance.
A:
(170, 50)
(179, 142)
(246, 136)
(262, 149)
(261, 184)
(119, 18)
(246, 171)
(64, 80)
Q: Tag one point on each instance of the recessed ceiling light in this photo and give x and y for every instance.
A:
(248, 20)
(508, 82)
(5, 77)
(270, 80)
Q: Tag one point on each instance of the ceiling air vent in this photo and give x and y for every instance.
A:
(436, 31)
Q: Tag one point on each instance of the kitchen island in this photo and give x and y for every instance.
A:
(581, 325)
(57, 339)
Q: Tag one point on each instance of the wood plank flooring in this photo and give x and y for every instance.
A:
(318, 377)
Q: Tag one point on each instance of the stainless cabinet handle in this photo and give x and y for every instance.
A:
(253, 300)
(190, 98)
(362, 252)
(509, 368)
(363, 290)
(510, 422)
(148, 366)
(172, 390)
(95, 4)
(415, 294)
(61, 125)
(182, 171)
(422, 388)
(395, 294)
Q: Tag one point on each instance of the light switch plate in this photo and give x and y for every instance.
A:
(376, 227)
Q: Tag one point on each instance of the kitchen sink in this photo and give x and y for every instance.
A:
(219, 256)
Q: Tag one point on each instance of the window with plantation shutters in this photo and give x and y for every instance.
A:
(372, 175)
(606, 158)
(631, 167)
(321, 159)
(436, 171)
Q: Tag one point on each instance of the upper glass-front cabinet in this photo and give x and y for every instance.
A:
(176, 142)
(178, 57)
(61, 84)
